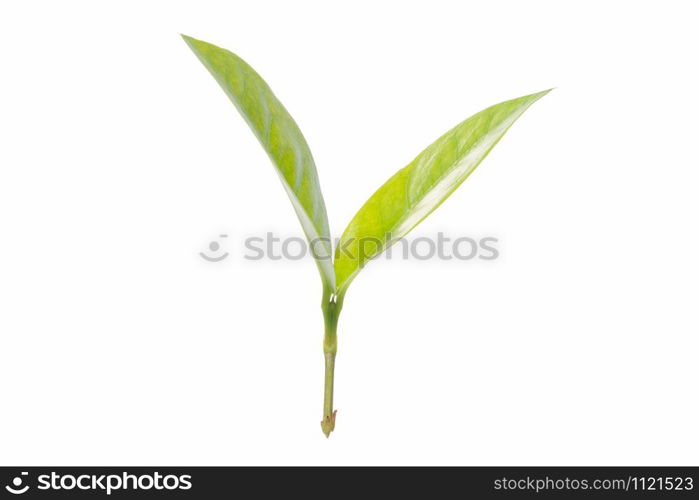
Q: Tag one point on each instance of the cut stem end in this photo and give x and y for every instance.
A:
(328, 424)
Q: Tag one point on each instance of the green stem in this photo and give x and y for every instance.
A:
(332, 304)
(328, 423)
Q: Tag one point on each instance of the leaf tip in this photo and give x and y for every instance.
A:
(541, 94)
(532, 98)
(188, 39)
(193, 43)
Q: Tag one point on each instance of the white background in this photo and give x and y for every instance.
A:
(120, 160)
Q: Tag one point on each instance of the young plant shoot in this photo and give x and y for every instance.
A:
(388, 215)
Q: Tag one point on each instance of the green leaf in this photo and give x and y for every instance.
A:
(281, 138)
(418, 189)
